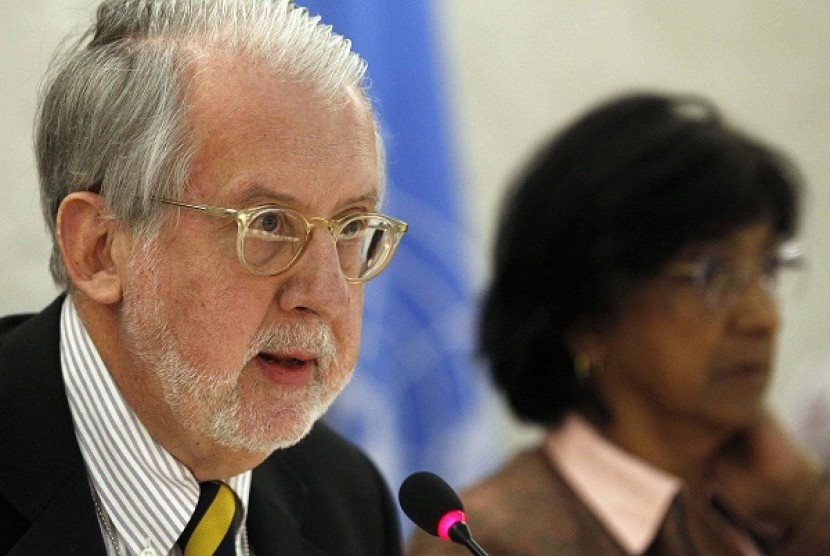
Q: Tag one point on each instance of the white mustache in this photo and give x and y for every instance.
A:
(284, 337)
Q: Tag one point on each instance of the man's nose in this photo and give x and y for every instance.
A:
(316, 282)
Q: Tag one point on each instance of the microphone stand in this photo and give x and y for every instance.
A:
(460, 534)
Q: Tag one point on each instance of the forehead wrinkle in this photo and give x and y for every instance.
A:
(258, 193)
(228, 125)
(221, 113)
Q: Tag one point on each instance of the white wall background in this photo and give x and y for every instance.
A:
(519, 70)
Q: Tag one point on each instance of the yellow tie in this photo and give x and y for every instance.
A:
(212, 529)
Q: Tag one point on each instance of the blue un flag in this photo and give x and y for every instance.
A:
(416, 401)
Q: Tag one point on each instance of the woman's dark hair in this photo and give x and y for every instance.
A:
(603, 205)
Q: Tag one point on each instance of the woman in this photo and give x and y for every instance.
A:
(633, 314)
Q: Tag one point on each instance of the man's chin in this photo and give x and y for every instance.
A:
(264, 442)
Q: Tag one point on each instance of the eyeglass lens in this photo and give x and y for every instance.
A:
(274, 238)
(724, 282)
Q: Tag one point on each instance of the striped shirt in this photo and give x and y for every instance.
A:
(146, 493)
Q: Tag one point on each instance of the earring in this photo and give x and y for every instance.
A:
(582, 367)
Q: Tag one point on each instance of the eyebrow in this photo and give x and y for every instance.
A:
(288, 200)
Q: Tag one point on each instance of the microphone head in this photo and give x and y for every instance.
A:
(431, 503)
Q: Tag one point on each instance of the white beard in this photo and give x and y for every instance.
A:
(208, 402)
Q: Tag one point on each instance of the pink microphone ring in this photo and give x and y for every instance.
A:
(448, 520)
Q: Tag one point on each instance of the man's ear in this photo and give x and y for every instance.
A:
(93, 246)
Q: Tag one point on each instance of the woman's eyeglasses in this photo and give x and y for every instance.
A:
(721, 281)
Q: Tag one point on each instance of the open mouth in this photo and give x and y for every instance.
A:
(284, 361)
(286, 369)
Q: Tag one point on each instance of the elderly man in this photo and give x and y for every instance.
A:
(210, 172)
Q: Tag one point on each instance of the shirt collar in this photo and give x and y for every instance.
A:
(148, 494)
(629, 496)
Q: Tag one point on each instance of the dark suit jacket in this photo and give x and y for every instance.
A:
(322, 496)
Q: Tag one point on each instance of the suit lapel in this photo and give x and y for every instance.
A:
(67, 525)
(275, 511)
(44, 478)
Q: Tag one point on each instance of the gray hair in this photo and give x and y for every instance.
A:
(112, 115)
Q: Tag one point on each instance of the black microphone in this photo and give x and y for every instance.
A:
(434, 506)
